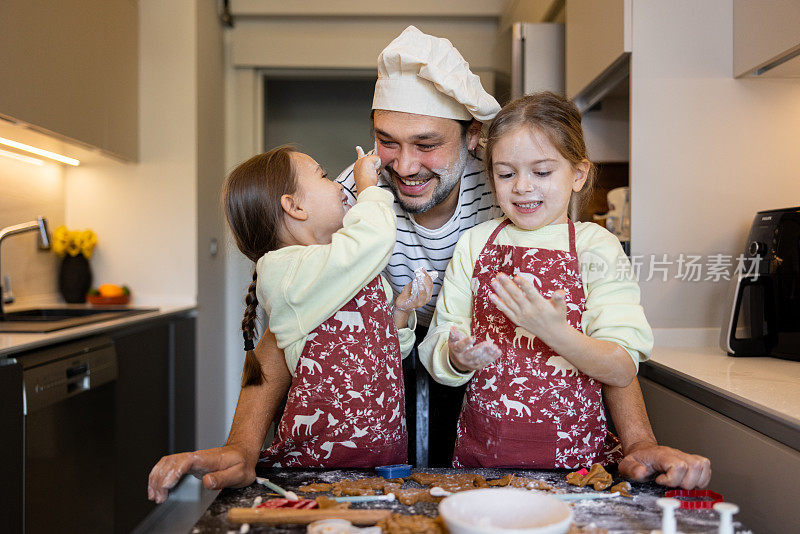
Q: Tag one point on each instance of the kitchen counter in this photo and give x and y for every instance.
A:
(760, 393)
(621, 514)
(11, 343)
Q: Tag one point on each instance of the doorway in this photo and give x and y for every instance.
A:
(325, 114)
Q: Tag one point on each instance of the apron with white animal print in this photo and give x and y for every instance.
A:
(346, 406)
(530, 407)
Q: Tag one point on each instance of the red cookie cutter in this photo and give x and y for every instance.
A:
(696, 494)
(302, 504)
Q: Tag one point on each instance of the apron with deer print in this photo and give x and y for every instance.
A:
(346, 405)
(530, 407)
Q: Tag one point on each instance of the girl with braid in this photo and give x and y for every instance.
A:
(317, 276)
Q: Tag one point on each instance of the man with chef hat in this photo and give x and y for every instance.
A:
(428, 111)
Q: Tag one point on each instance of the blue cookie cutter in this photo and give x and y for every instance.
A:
(394, 471)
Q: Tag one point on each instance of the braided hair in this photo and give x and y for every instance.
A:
(251, 198)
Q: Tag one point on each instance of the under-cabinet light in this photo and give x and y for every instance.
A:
(39, 152)
(20, 157)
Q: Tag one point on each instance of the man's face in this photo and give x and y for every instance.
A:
(422, 157)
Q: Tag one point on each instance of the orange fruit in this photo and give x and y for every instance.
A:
(110, 290)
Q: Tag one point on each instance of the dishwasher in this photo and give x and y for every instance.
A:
(69, 400)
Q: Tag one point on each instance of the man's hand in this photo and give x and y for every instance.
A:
(219, 468)
(416, 293)
(365, 170)
(676, 468)
(465, 355)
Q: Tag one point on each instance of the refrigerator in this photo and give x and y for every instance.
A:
(537, 58)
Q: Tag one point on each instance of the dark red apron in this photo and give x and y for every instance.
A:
(530, 407)
(346, 406)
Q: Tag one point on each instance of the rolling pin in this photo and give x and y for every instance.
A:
(281, 516)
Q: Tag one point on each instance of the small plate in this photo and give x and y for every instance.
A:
(505, 511)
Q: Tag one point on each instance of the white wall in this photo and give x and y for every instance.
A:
(707, 150)
(243, 137)
(145, 214)
(211, 319)
(155, 219)
(606, 130)
(30, 191)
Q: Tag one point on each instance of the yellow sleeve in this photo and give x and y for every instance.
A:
(301, 286)
(405, 335)
(613, 310)
(453, 308)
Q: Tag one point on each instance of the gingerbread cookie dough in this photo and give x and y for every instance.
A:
(624, 489)
(326, 503)
(513, 481)
(597, 477)
(412, 496)
(361, 486)
(452, 483)
(411, 524)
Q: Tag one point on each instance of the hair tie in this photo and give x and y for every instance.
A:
(248, 345)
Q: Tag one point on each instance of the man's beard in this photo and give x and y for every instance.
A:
(447, 179)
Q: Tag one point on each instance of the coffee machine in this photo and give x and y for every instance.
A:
(764, 302)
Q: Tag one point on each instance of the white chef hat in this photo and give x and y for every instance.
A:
(422, 74)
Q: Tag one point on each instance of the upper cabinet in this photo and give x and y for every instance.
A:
(71, 68)
(766, 38)
(598, 41)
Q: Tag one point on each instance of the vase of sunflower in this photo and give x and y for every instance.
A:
(75, 274)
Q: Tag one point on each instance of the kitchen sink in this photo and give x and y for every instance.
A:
(43, 320)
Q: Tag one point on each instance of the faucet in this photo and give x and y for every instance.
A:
(39, 224)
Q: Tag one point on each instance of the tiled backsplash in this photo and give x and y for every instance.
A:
(26, 192)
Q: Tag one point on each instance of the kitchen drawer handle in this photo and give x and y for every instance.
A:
(81, 369)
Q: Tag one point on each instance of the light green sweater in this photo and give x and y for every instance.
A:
(300, 287)
(613, 312)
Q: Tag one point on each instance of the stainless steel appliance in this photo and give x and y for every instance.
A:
(764, 301)
(69, 402)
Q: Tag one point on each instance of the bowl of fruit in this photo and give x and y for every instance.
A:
(109, 295)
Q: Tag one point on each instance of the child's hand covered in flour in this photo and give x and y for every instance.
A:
(466, 356)
(605, 361)
(417, 293)
(519, 300)
(365, 171)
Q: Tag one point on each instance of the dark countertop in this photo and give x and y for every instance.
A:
(626, 515)
(12, 343)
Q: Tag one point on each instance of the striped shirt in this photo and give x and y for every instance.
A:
(417, 246)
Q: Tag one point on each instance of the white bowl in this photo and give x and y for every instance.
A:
(505, 511)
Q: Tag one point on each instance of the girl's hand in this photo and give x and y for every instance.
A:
(465, 355)
(519, 300)
(365, 171)
(416, 293)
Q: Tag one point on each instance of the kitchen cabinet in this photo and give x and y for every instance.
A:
(597, 41)
(71, 68)
(11, 446)
(766, 39)
(749, 468)
(142, 418)
(182, 398)
(155, 408)
(147, 409)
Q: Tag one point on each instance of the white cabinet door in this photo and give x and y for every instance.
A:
(71, 68)
(766, 38)
(597, 35)
(749, 468)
